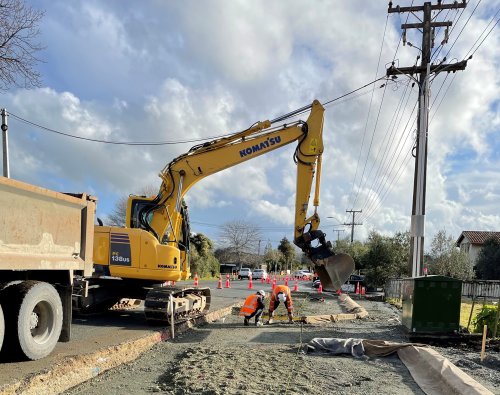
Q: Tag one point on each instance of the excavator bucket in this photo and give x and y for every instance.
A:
(334, 270)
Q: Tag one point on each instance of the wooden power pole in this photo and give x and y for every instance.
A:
(352, 224)
(423, 72)
(5, 143)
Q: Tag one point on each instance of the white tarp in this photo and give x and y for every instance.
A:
(434, 374)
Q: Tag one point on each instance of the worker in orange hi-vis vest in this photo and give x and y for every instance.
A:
(253, 307)
(281, 293)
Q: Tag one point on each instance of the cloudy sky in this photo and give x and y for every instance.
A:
(177, 70)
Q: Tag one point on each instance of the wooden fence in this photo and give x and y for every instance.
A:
(470, 289)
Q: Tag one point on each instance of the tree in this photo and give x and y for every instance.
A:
(117, 217)
(356, 250)
(18, 47)
(241, 237)
(202, 259)
(272, 257)
(487, 263)
(288, 251)
(385, 258)
(447, 260)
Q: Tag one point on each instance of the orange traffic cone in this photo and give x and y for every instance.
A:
(219, 284)
(339, 291)
(286, 281)
(268, 279)
(363, 291)
(173, 283)
(274, 283)
(196, 279)
(320, 288)
(250, 284)
(262, 280)
(228, 285)
(357, 288)
(296, 286)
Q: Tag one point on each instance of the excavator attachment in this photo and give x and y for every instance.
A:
(334, 270)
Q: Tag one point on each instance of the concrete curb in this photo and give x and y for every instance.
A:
(75, 370)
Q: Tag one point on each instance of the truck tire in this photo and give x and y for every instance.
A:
(34, 319)
(2, 327)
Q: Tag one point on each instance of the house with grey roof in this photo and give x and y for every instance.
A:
(471, 241)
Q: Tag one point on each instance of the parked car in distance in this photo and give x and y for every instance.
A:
(304, 274)
(259, 273)
(244, 272)
(349, 286)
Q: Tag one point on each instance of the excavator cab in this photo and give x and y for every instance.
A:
(333, 269)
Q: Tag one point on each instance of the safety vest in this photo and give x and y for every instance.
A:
(250, 305)
(274, 296)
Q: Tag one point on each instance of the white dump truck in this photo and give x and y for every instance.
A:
(46, 240)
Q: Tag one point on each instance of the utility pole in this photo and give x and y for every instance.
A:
(338, 232)
(352, 224)
(5, 143)
(424, 71)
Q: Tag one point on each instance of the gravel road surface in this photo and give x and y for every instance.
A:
(226, 357)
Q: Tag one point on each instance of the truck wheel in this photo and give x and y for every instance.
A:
(34, 318)
(2, 327)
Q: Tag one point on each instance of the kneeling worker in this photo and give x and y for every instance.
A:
(253, 307)
(281, 293)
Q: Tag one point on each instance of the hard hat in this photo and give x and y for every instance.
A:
(282, 297)
(261, 292)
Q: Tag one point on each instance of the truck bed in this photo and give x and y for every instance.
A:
(45, 230)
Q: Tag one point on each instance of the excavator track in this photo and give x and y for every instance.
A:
(187, 303)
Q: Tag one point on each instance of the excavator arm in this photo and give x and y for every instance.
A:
(165, 217)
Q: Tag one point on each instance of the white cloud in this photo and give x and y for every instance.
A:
(186, 70)
(274, 212)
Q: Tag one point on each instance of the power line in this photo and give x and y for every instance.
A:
(389, 149)
(481, 43)
(140, 143)
(173, 142)
(367, 119)
(385, 186)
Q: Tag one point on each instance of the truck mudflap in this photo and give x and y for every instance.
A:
(334, 270)
(187, 303)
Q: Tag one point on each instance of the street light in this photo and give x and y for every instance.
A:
(336, 219)
(337, 230)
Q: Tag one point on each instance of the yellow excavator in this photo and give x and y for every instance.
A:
(153, 247)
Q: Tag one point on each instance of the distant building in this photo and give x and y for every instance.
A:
(471, 242)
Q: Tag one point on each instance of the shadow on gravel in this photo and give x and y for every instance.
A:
(130, 320)
(193, 335)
